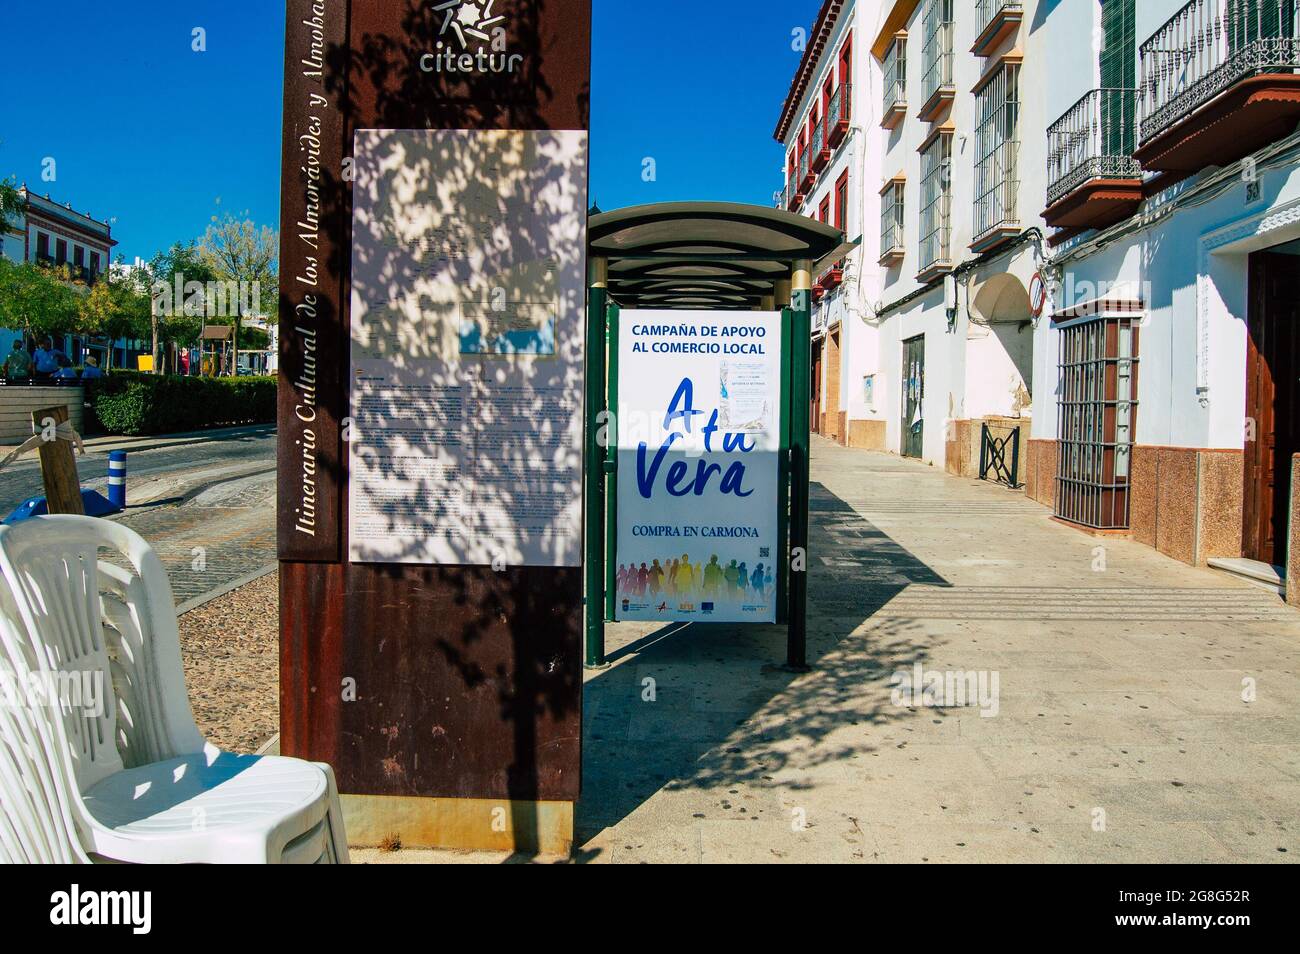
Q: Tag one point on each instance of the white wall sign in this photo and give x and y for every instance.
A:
(699, 431)
(468, 291)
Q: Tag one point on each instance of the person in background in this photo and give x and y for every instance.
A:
(91, 370)
(46, 360)
(66, 371)
(18, 364)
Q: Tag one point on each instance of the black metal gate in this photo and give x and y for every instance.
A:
(1000, 454)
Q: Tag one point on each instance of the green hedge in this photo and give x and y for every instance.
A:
(129, 402)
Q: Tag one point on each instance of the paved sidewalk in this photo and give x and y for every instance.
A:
(1121, 733)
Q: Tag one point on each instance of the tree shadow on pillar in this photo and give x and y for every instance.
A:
(468, 662)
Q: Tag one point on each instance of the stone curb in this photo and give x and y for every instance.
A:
(222, 590)
(119, 442)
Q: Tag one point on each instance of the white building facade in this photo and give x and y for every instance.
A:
(824, 126)
(49, 233)
(929, 337)
(1174, 202)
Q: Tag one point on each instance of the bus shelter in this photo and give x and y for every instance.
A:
(701, 311)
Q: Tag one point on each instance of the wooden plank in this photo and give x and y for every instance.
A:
(58, 466)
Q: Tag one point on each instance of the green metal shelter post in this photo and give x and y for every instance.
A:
(593, 500)
(609, 478)
(800, 361)
(783, 463)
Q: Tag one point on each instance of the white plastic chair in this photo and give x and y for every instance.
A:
(136, 782)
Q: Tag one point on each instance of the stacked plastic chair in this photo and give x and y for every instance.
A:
(100, 757)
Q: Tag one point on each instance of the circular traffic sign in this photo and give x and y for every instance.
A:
(1037, 294)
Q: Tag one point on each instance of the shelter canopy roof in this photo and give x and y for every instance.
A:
(713, 255)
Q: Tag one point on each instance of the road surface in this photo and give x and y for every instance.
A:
(208, 508)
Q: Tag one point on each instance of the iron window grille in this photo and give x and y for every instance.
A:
(936, 49)
(997, 143)
(891, 219)
(1097, 413)
(895, 75)
(936, 200)
(985, 10)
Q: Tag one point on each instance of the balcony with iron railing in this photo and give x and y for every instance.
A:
(839, 114)
(1092, 178)
(792, 198)
(1218, 81)
(895, 69)
(937, 90)
(807, 175)
(995, 21)
(820, 149)
(68, 271)
(832, 278)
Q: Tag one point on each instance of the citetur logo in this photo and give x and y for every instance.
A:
(478, 31)
(467, 18)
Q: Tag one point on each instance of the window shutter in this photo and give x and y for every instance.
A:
(1118, 72)
(1118, 60)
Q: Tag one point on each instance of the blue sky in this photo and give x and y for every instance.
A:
(146, 131)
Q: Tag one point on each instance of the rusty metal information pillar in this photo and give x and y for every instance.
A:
(434, 196)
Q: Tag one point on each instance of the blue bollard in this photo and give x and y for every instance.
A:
(117, 478)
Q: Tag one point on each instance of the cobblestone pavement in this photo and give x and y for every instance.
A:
(219, 536)
(1120, 730)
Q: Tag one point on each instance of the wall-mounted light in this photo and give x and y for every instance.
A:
(950, 299)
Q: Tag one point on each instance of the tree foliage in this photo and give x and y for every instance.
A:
(183, 320)
(34, 299)
(11, 202)
(117, 307)
(239, 250)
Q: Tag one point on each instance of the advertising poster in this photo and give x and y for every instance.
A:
(468, 294)
(699, 431)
